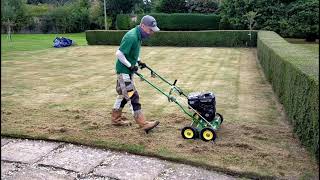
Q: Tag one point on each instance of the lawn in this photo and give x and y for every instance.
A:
(67, 95)
(311, 46)
(30, 42)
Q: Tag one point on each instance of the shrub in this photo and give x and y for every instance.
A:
(179, 38)
(172, 6)
(202, 6)
(38, 10)
(175, 22)
(124, 22)
(289, 18)
(72, 17)
(304, 19)
(294, 75)
(103, 37)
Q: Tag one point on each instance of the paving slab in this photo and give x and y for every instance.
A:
(131, 167)
(5, 141)
(37, 173)
(6, 168)
(26, 151)
(186, 172)
(76, 158)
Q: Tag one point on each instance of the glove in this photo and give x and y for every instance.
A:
(142, 65)
(133, 68)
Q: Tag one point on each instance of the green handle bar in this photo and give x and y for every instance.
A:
(171, 98)
(172, 85)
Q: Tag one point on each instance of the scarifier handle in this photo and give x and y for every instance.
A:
(175, 81)
(173, 86)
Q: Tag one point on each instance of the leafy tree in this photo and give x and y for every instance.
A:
(79, 16)
(114, 7)
(12, 14)
(273, 14)
(147, 5)
(232, 12)
(172, 6)
(56, 2)
(250, 19)
(96, 16)
(202, 6)
(71, 17)
(304, 19)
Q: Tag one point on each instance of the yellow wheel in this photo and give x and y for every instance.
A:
(189, 133)
(208, 134)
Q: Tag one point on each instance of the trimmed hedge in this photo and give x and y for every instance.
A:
(179, 38)
(104, 37)
(294, 75)
(176, 21)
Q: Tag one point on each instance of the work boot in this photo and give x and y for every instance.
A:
(143, 124)
(117, 120)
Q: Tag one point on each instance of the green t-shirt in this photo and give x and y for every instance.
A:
(130, 47)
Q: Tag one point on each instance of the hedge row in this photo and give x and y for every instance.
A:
(171, 22)
(294, 75)
(179, 38)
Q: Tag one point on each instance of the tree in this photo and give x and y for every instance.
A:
(12, 14)
(250, 18)
(147, 5)
(172, 6)
(271, 13)
(56, 2)
(202, 6)
(96, 15)
(304, 19)
(114, 7)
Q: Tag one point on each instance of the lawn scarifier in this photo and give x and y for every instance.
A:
(201, 108)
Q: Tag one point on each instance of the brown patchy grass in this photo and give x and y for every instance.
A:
(67, 95)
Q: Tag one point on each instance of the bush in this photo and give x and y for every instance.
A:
(304, 19)
(96, 16)
(179, 38)
(70, 18)
(289, 18)
(38, 10)
(172, 6)
(103, 37)
(124, 22)
(175, 22)
(294, 75)
(202, 6)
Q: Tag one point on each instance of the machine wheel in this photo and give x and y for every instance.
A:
(189, 132)
(221, 117)
(208, 134)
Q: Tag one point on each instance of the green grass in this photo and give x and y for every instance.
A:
(311, 46)
(33, 42)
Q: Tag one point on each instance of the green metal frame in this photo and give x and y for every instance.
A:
(198, 121)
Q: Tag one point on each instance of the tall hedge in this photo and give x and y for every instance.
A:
(294, 75)
(179, 38)
(176, 21)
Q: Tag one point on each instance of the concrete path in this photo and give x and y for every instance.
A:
(29, 159)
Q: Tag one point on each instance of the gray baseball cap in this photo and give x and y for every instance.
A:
(151, 22)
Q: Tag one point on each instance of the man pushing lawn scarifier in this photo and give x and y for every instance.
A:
(127, 58)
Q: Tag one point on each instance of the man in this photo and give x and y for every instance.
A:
(127, 58)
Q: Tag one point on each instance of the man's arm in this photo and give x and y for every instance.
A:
(122, 58)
